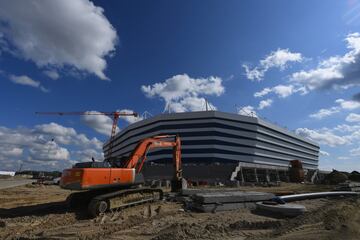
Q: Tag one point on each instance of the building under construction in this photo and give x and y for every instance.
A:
(219, 146)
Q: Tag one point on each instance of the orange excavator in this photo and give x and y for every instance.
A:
(116, 183)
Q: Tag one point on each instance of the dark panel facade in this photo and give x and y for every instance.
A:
(216, 137)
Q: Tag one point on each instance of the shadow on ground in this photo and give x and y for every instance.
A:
(42, 210)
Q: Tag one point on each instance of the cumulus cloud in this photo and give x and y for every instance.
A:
(182, 93)
(27, 81)
(103, 123)
(55, 129)
(323, 136)
(355, 152)
(265, 103)
(24, 80)
(191, 104)
(344, 128)
(10, 151)
(58, 33)
(340, 135)
(322, 113)
(341, 105)
(87, 154)
(336, 71)
(263, 92)
(276, 59)
(130, 119)
(64, 135)
(348, 104)
(353, 117)
(282, 91)
(324, 153)
(45, 145)
(49, 151)
(54, 75)
(100, 123)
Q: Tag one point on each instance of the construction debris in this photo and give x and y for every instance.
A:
(335, 177)
(287, 209)
(224, 201)
(348, 186)
(354, 176)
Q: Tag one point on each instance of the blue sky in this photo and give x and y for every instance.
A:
(170, 55)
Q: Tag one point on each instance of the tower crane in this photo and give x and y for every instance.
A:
(114, 115)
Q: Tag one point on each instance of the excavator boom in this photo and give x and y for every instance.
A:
(138, 156)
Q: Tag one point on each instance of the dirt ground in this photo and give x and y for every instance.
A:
(39, 212)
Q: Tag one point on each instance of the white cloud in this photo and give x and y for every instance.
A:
(265, 103)
(10, 151)
(247, 111)
(352, 132)
(322, 113)
(353, 117)
(87, 154)
(65, 135)
(347, 128)
(342, 105)
(182, 93)
(54, 75)
(100, 123)
(324, 153)
(58, 33)
(49, 151)
(44, 146)
(263, 92)
(27, 81)
(55, 129)
(324, 136)
(103, 123)
(282, 91)
(337, 136)
(343, 158)
(191, 104)
(348, 104)
(24, 80)
(336, 71)
(130, 119)
(276, 59)
(355, 152)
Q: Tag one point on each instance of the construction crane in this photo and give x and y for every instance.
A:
(112, 185)
(115, 117)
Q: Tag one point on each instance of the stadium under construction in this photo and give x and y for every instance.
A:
(218, 147)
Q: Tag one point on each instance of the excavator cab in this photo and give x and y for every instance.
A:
(117, 162)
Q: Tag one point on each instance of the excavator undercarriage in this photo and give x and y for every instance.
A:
(100, 202)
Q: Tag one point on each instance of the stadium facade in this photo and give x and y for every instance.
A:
(218, 138)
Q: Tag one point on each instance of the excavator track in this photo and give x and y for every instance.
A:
(122, 199)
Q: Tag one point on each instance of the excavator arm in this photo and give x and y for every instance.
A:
(138, 156)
